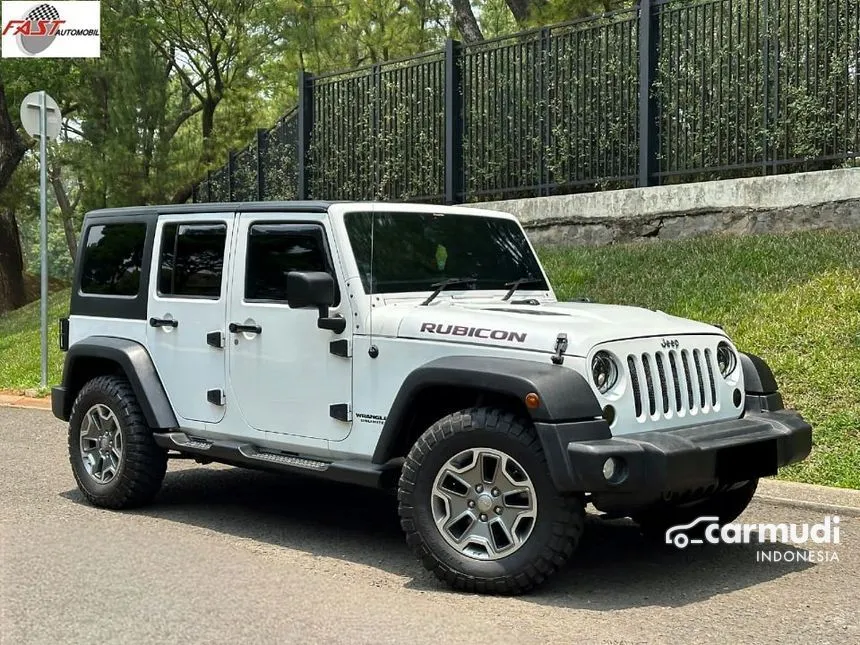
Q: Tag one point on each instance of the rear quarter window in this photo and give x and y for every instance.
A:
(113, 257)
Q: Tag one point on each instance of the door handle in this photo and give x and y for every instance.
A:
(236, 328)
(163, 322)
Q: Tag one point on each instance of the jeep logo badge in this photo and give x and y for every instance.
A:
(669, 342)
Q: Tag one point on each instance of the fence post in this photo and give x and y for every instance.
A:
(375, 127)
(547, 96)
(209, 185)
(305, 127)
(454, 189)
(648, 106)
(231, 169)
(261, 177)
(194, 189)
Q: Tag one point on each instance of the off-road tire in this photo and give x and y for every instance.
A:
(727, 506)
(557, 528)
(141, 471)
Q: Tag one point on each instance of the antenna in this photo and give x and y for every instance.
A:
(372, 351)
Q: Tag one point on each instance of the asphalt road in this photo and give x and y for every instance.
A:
(226, 555)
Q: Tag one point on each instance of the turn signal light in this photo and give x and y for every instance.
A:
(532, 401)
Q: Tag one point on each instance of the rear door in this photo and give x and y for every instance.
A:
(187, 312)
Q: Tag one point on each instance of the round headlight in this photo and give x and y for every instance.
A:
(726, 359)
(604, 371)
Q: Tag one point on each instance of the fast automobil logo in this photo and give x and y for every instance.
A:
(37, 30)
(51, 29)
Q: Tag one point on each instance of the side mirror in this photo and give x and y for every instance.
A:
(309, 289)
(314, 289)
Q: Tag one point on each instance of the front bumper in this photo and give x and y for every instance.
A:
(672, 461)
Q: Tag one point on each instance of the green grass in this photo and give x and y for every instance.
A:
(20, 345)
(793, 300)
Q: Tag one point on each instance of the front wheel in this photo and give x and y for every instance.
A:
(478, 506)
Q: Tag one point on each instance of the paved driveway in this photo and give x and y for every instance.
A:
(227, 555)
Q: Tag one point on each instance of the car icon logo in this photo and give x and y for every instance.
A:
(670, 342)
(678, 536)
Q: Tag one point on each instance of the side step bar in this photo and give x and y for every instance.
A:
(250, 456)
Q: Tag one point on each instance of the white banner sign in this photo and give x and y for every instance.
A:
(51, 29)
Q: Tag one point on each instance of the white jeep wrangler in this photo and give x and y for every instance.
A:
(410, 347)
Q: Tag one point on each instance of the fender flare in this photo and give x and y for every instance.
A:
(136, 364)
(758, 377)
(565, 395)
(762, 391)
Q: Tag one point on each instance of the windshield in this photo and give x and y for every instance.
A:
(413, 251)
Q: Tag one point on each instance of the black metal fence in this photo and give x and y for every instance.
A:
(666, 92)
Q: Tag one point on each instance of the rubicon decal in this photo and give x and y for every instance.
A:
(51, 29)
(474, 332)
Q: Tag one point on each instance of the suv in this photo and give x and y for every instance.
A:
(412, 348)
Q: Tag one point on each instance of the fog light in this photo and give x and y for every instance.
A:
(613, 470)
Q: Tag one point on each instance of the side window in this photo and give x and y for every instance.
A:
(192, 260)
(276, 249)
(113, 256)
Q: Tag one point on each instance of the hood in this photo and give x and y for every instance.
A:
(529, 327)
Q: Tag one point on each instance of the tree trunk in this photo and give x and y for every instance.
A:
(12, 293)
(67, 212)
(12, 147)
(465, 20)
(522, 9)
(207, 126)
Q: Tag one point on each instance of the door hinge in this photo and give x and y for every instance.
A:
(216, 397)
(340, 411)
(341, 347)
(215, 339)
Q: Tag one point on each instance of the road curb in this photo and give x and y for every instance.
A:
(826, 499)
(25, 402)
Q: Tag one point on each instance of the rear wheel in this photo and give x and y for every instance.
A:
(726, 506)
(113, 455)
(478, 507)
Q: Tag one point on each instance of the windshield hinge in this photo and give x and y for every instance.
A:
(560, 349)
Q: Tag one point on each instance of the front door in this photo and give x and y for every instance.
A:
(283, 376)
(187, 311)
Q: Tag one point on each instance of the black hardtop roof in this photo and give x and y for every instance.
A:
(214, 207)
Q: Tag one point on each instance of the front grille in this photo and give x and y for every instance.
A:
(664, 382)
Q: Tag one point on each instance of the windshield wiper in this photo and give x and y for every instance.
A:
(516, 284)
(439, 287)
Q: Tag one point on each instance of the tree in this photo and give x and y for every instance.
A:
(12, 149)
(212, 46)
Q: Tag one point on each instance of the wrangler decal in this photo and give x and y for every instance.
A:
(474, 332)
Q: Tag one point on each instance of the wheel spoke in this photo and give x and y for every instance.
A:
(519, 498)
(489, 467)
(453, 484)
(501, 535)
(461, 526)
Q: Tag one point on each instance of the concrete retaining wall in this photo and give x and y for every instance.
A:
(802, 201)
